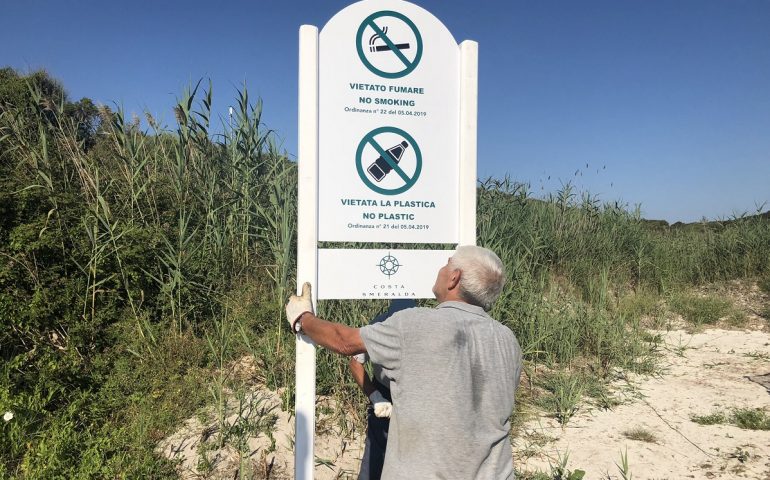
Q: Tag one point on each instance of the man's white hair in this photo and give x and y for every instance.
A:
(483, 275)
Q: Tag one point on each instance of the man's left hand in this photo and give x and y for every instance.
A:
(361, 358)
(382, 407)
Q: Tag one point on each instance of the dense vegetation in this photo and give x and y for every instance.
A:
(137, 265)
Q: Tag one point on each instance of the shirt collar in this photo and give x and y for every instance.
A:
(466, 307)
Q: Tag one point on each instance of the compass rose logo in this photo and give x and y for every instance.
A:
(389, 265)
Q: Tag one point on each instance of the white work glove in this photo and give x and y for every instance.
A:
(299, 305)
(382, 407)
(361, 358)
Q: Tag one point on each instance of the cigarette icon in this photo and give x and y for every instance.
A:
(384, 48)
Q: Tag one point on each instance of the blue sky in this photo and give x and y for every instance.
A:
(667, 102)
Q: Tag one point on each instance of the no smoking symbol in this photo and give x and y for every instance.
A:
(389, 44)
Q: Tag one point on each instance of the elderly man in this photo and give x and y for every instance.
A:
(453, 371)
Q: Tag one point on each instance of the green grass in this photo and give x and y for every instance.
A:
(764, 283)
(640, 434)
(758, 355)
(715, 418)
(737, 319)
(558, 471)
(746, 418)
(644, 305)
(699, 310)
(597, 389)
(139, 264)
(752, 418)
(565, 391)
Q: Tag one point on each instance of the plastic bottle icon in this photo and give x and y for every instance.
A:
(380, 167)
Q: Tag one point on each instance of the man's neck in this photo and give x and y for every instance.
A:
(451, 296)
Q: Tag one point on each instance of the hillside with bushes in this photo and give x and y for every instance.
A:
(138, 263)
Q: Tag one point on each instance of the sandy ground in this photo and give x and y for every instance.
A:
(716, 370)
(194, 446)
(701, 373)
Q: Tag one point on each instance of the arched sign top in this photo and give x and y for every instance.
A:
(389, 123)
(394, 15)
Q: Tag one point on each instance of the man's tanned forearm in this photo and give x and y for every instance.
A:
(336, 337)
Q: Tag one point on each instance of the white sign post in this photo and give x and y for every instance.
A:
(307, 245)
(387, 154)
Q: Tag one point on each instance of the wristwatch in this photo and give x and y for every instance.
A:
(297, 325)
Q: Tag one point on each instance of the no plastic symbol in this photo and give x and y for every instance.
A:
(386, 156)
(386, 45)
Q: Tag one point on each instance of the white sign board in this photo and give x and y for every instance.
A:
(378, 274)
(389, 115)
(387, 153)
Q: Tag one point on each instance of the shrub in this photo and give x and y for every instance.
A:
(700, 310)
(751, 418)
(714, 418)
(640, 434)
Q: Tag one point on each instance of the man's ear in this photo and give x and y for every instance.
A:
(454, 279)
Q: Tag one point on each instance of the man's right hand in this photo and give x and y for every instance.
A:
(382, 407)
(299, 305)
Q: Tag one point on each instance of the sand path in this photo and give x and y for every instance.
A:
(702, 373)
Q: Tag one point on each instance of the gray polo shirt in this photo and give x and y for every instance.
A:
(453, 371)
